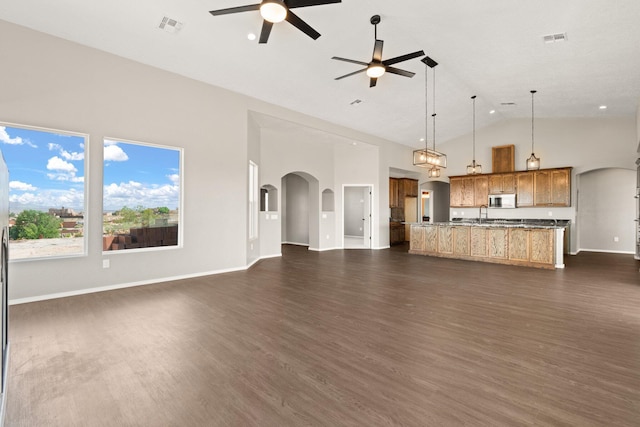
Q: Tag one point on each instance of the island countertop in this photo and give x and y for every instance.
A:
(543, 224)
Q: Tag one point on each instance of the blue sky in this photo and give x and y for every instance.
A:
(46, 169)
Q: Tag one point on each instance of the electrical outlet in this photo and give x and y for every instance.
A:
(616, 239)
(327, 237)
(550, 213)
(106, 263)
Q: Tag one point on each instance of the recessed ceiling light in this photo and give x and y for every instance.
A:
(251, 36)
(492, 112)
(421, 139)
(603, 107)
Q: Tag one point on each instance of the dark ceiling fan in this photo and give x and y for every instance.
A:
(377, 67)
(274, 11)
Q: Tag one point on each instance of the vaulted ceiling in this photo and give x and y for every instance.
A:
(492, 48)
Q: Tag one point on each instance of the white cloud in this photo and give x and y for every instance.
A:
(68, 198)
(174, 178)
(74, 156)
(21, 186)
(113, 153)
(62, 170)
(6, 139)
(134, 194)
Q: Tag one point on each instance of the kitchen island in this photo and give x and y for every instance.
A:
(527, 244)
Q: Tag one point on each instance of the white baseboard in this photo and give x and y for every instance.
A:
(605, 251)
(323, 249)
(295, 243)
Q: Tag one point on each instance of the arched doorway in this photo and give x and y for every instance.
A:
(300, 210)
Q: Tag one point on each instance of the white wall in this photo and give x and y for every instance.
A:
(606, 207)
(57, 84)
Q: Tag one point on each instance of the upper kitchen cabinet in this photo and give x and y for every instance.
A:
(410, 187)
(393, 192)
(552, 187)
(545, 187)
(502, 183)
(462, 191)
(399, 188)
(524, 189)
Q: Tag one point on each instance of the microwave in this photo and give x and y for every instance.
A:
(507, 201)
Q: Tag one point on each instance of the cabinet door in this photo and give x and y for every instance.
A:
(498, 243)
(519, 244)
(495, 184)
(410, 187)
(401, 193)
(524, 183)
(561, 187)
(481, 190)
(445, 240)
(461, 240)
(393, 193)
(509, 183)
(541, 246)
(542, 188)
(455, 192)
(479, 241)
(431, 238)
(417, 238)
(468, 192)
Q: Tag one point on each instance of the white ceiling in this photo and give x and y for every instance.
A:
(490, 48)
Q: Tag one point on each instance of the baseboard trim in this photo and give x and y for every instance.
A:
(122, 286)
(605, 251)
(323, 249)
(295, 243)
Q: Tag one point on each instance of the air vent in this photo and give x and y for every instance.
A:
(170, 25)
(355, 102)
(508, 104)
(554, 38)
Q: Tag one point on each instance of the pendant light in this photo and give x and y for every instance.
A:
(533, 162)
(426, 157)
(474, 168)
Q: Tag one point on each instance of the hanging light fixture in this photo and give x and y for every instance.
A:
(426, 157)
(533, 162)
(474, 168)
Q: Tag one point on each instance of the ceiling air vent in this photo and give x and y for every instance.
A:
(554, 38)
(170, 25)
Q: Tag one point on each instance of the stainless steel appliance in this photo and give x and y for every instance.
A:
(506, 200)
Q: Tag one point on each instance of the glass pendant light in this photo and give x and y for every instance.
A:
(426, 157)
(474, 168)
(533, 162)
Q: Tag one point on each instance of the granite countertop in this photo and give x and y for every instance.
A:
(502, 223)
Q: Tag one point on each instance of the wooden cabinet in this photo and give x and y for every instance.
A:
(481, 190)
(498, 243)
(552, 187)
(502, 183)
(502, 158)
(393, 193)
(396, 233)
(431, 238)
(524, 189)
(460, 237)
(399, 188)
(479, 242)
(531, 246)
(545, 187)
(417, 241)
(410, 187)
(445, 239)
(462, 192)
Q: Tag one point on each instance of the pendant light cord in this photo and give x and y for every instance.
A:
(434, 109)
(474, 129)
(426, 109)
(532, 92)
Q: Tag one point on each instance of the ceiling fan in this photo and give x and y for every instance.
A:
(274, 11)
(377, 67)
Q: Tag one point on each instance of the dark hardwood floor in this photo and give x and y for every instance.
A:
(339, 338)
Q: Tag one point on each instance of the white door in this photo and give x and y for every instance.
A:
(357, 216)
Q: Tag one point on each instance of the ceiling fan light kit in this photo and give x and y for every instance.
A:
(276, 11)
(273, 11)
(377, 66)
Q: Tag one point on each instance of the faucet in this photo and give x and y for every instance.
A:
(486, 213)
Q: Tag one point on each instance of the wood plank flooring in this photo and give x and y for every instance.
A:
(339, 338)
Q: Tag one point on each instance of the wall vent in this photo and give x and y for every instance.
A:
(508, 104)
(170, 25)
(554, 38)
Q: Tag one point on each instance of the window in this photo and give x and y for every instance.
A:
(253, 200)
(46, 191)
(141, 196)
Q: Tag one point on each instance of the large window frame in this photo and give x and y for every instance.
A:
(254, 201)
(61, 167)
(141, 237)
